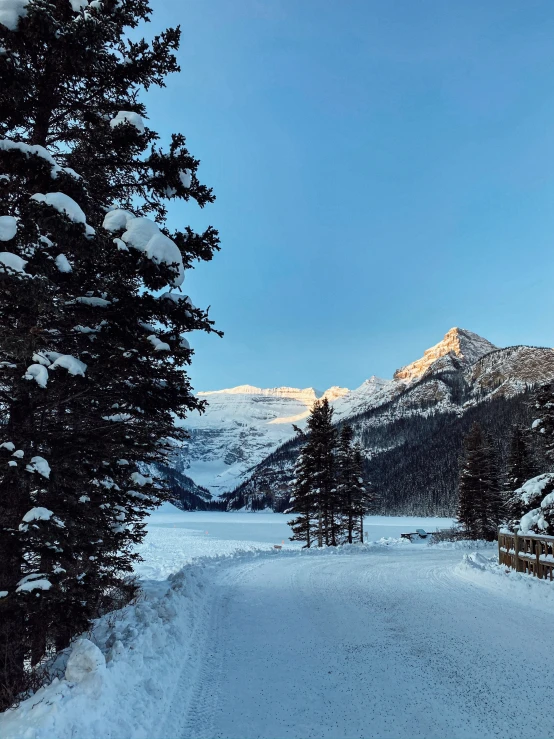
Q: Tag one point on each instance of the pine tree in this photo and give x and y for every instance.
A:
(324, 437)
(519, 469)
(315, 491)
(493, 504)
(480, 500)
(543, 425)
(92, 352)
(520, 466)
(347, 483)
(365, 497)
(303, 498)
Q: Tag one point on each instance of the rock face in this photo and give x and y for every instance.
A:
(244, 425)
(458, 344)
(240, 427)
(509, 371)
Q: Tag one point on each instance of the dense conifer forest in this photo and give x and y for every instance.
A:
(418, 468)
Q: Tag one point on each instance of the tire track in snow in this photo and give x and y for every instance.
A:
(190, 710)
(392, 643)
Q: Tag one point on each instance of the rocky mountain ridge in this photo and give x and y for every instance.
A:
(245, 424)
(458, 343)
(412, 437)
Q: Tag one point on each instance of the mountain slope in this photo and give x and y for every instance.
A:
(234, 444)
(412, 442)
(240, 427)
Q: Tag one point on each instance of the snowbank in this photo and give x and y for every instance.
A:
(127, 116)
(487, 572)
(464, 544)
(66, 205)
(8, 228)
(116, 682)
(9, 261)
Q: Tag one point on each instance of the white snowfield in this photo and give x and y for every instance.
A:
(387, 639)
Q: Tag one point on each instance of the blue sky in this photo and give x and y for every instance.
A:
(383, 171)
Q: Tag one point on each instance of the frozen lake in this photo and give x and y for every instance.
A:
(272, 528)
(177, 537)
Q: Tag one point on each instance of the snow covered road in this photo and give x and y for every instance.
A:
(396, 642)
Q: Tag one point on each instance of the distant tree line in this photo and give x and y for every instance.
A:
(414, 460)
(490, 496)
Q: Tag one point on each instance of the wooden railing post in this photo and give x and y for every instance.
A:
(516, 552)
(538, 549)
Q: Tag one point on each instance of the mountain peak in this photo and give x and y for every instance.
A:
(334, 392)
(465, 345)
(307, 393)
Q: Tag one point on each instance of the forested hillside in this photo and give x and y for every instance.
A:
(412, 459)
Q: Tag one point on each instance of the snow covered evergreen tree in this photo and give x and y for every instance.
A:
(543, 425)
(324, 437)
(520, 467)
(93, 316)
(355, 497)
(303, 497)
(494, 503)
(315, 490)
(365, 497)
(480, 499)
(346, 483)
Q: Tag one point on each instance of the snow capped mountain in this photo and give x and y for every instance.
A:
(412, 431)
(370, 394)
(509, 371)
(240, 427)
(243, 425)
(458, 344)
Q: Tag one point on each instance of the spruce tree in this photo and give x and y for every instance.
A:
(519, 469)
(493, 504)
(471, 483)
(543, 425)
(324, 436)
(315, 492)
(347, 488)
(92, 314)
(480, 500)
(365, 497)
(355, 497)
(303, 497)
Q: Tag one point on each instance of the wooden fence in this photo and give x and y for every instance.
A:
(533, 554)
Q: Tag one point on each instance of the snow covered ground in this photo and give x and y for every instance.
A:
(176, 538)
(386, 640)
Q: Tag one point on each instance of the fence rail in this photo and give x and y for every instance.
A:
(533, 554)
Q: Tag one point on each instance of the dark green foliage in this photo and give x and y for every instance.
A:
(520, 468)
(356, 497)
(419, 471)
(520, 464)
(303, 500)
(480, 500)
(543, 423)
(65, 77)
(315, 492)
(329, 496)
(347, 483)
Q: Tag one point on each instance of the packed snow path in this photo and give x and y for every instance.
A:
(393, 643)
